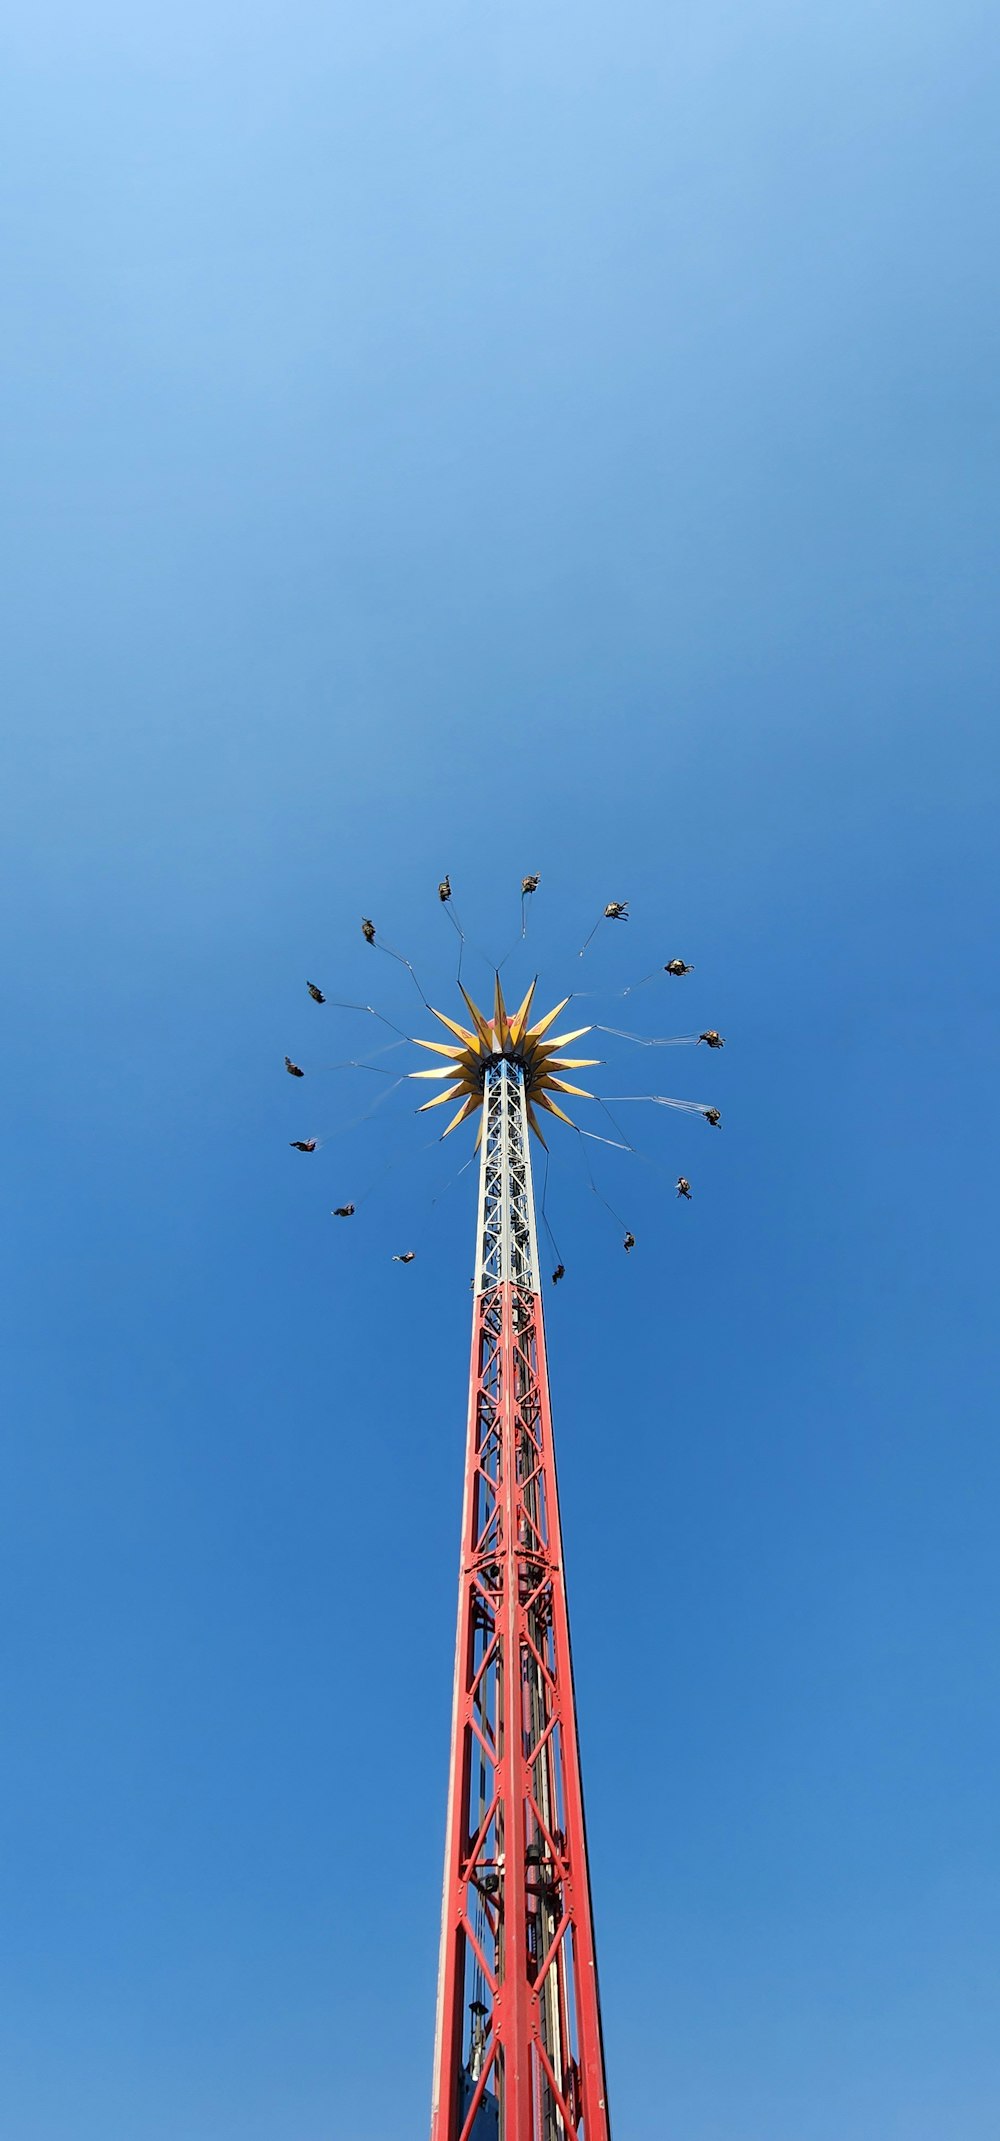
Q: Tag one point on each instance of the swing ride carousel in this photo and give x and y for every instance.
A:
(518, 2042)
(480, 1042)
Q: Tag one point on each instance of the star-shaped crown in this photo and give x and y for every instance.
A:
(511, 1037)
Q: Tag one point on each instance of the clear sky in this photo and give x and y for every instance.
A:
(561, 437)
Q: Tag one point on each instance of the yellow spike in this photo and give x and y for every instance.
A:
(500, 1026)
(468, 1038)
(533, 1122)
(439, 1099)
(481, 1025)
(544, 1023)
(565, 1063)
(559, 1085)
(440, 1048)
(520, 1018)
(465, 1109)
(544, 1102)
(443, 1070)
(562, 1040)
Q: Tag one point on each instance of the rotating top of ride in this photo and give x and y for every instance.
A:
(505, 1037)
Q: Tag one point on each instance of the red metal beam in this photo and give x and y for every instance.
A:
(517, 1942)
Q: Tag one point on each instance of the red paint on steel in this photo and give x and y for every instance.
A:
(517, 1926)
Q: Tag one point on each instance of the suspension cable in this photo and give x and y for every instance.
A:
(359, 1063)
(390, 954)
(452, 1179)
(646, 1158)
(545, 1216)
(456, 924)
(646, 1040)
(356, 1121)
(662, 1100)
(370, 1008)
(399, 1159)
(601, 1199)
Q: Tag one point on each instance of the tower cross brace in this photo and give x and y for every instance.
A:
(518, 2046)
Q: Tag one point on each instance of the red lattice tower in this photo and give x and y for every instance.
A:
(518, 2052)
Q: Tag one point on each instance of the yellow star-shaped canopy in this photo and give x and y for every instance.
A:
(509, 1035)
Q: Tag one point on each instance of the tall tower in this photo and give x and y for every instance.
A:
(518, 2052)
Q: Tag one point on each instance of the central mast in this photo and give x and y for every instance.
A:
(518, 2052)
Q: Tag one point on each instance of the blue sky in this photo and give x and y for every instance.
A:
(552, 438)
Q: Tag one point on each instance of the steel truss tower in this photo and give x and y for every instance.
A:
(518, 2051)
